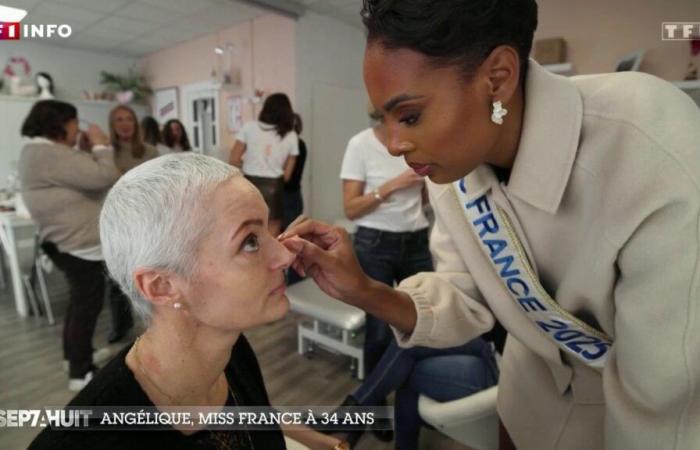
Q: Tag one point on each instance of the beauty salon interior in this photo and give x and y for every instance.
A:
(226, 203)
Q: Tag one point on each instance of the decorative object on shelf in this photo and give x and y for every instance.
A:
(17, 75)
(98, 96)
(550, 51)
(122, 84)
(44, 83)
(124, 97)
(694, 65)
(227, 70)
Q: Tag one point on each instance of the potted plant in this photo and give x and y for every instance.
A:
(132, 86)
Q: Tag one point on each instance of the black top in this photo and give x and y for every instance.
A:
(294, 183)
(115, 385)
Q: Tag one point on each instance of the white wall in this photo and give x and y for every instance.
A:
(72, 70)
(329, 57)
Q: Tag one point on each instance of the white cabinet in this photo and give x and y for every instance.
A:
(13, 111)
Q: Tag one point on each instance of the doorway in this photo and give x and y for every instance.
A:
(201, 102)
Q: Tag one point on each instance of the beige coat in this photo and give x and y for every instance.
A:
(605, 193)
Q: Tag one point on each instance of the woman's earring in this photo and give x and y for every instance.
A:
(177, 305)
(498, 112)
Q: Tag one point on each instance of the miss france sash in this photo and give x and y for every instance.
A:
(499, 242)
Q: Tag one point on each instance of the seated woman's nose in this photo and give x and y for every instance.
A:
(282, 258)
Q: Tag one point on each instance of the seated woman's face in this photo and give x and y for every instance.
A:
(238, 281)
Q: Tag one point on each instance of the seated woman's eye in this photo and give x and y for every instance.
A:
(250, 244)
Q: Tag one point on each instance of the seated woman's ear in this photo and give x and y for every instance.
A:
(157, 287)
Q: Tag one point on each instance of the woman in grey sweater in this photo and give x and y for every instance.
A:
(63, 188)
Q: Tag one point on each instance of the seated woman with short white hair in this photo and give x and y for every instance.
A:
(186, 238)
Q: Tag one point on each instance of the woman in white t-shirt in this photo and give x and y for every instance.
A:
(265, 150)
(384, 197)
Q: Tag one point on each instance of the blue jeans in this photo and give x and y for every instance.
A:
(388, 257)
(441, 374)
(292, 207)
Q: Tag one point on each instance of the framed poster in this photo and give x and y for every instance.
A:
(165, 107)
(235, 116)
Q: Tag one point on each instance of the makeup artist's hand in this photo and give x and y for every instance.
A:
(325, 253)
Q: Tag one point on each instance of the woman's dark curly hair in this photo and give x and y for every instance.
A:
(169, 137)
(453, 32)
(48, 119)
(277, 111)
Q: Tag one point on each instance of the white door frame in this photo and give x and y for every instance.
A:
(193, 91)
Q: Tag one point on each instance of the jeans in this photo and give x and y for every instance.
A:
(292, 207)
(441, 374)
(120, 307)
(86, 283)
(388, 257)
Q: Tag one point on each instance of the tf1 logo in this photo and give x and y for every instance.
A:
(9, 30)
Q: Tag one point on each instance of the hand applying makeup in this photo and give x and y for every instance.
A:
(325, 253)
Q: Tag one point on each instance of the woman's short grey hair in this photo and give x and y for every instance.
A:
(156, 215)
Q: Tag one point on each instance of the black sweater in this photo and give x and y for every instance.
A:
(115, 385)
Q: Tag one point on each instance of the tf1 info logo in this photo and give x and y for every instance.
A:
(12, 29)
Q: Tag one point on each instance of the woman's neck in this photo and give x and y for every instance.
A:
(181, 363)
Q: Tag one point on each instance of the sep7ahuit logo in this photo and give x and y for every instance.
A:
(9, 31)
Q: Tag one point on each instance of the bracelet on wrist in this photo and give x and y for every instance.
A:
(377, 195)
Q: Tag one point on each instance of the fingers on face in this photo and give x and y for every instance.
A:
(306, 227)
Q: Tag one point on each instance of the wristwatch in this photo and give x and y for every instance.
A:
(377, 195)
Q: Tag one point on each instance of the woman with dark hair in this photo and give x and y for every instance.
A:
(566, 208)
(150, 134)
(125, 135)
(63, 188)
(175, 136)
(266, 151)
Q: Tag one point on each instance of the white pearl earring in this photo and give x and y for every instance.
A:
(177, 305)
(498, 112)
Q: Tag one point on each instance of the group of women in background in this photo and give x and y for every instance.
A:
(65, 174)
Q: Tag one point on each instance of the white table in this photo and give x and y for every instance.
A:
(17, 235)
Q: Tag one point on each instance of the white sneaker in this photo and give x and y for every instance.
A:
(77, 384)
(99, 356)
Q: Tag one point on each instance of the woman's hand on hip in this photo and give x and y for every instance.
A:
(325, 253)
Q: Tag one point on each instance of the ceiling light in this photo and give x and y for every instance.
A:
(9, 14)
